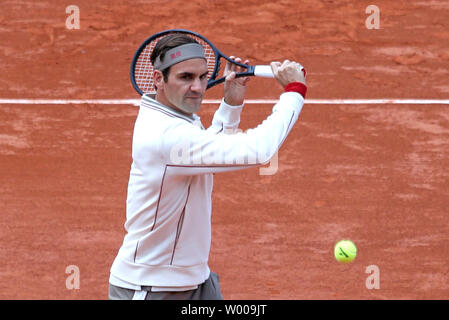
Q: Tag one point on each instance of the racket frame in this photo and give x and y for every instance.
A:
(212, 81)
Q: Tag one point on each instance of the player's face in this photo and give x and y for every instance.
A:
(185, 86)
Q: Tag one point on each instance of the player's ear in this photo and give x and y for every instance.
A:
(158, 79)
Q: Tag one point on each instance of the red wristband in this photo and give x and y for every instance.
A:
(296, 87)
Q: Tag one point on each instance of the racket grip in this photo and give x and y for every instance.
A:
(263, 71)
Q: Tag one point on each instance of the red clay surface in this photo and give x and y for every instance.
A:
(376, 174)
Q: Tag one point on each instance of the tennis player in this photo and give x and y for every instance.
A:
(165, 251)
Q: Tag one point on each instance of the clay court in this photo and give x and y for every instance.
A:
(376, 173)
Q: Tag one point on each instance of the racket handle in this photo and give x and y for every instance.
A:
(263, 71)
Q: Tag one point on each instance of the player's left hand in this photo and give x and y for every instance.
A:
(234, 88)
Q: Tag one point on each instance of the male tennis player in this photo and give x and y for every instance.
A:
(165, 252)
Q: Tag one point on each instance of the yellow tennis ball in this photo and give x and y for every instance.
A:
(345, 251)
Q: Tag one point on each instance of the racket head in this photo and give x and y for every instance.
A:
(142, 70)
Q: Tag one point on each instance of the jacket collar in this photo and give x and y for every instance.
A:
(149, 102)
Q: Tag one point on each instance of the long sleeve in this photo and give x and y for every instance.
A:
(226, 119)
(190, 150)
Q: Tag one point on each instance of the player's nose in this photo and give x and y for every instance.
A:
(197, 85)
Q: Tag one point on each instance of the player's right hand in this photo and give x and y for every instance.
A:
(288, 72)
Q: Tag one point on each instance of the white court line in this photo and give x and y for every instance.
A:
(217, 101)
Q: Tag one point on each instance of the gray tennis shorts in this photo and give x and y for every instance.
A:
(208, 290)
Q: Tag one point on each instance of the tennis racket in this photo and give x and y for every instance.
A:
(142, 69)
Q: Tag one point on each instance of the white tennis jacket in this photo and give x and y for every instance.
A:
(168, 213)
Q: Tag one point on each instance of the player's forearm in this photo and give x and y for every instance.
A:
(204, 152)
(271, 133)
(226, 119)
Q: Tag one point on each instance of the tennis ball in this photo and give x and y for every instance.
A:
(345, 251)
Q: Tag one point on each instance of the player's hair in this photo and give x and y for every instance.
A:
(167, 43)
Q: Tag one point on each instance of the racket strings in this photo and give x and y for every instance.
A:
(143, 69)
